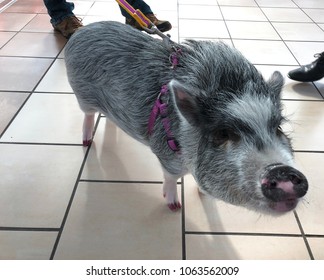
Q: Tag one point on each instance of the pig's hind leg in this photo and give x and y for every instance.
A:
(170, 191)
(88, 127)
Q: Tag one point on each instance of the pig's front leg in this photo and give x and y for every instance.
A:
(170, 191)
(88, 126)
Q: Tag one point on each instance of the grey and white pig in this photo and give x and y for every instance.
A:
(224, 117)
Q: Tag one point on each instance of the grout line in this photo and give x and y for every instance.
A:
(178, 22)
(183, 222)
(303, 100)
(244, 233)
(72, 196)
(54, 92)
(28, 229)
(304, 237)
(183, 214)
(41, 144)
(15, 115)
(310, 151)
(225, 22)
(314, 235)
(121, 181)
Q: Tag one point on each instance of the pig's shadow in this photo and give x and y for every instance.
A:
(115, 156)
(107, 159)
(208, 244)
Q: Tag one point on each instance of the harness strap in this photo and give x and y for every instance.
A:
(160, 108)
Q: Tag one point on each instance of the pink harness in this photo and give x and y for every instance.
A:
(160, 108)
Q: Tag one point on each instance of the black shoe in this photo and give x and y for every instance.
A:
(310, 72)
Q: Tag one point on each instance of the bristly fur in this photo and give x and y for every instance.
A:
(225, 116)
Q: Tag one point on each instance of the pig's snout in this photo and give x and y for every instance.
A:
(283, 185)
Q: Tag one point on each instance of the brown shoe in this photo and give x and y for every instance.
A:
(68, 26)
(162, 25)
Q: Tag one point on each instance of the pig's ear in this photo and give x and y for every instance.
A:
(276, 82)
(185, 102)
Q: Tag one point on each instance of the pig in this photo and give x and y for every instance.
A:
(221, 120)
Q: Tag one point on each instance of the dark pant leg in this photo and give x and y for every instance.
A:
(58, 10)
(137, 4)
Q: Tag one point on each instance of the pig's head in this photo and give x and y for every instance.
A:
(233, 143)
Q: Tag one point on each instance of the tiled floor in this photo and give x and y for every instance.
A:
(62, 201)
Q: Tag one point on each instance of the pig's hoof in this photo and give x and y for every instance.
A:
(174, 206)
(87, 143)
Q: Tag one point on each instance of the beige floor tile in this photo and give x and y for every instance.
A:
(243, 13)
(199, 12)
(120, 221)
(286, 15)
(34, 45)
(309, 4)
(82, 7)
(317, 247)
(276, 3)
(304, 51)
(291, 89)
(161, 6)
(206, 214)
(29, 70)
(196, 2)
(36, 183)
(252, 30)
(311, 214)
(101, 9)
(47, 118)
(116, 156)
(14, 21)
(31, 6)
(202, 29)
(25, 245)
(205, 247)
(55, 79)
(306, 123)
(40, 23)
(5, 37)
(249, 3)
(299, 31)
(265, 52)
(10, 103)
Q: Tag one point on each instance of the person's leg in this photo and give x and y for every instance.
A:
(62, 16)
(137, 4)
(310, 72)
(162, 25)
(58, 10)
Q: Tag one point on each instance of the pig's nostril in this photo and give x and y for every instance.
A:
(295, 179)
(273, 184)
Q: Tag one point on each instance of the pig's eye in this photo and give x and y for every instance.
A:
(223, 135)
